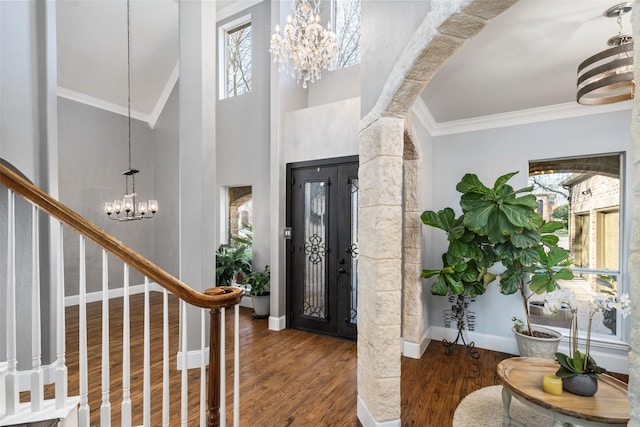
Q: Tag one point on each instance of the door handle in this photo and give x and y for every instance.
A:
(341, 270)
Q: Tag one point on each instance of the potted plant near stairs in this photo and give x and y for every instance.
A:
(232, 264)
(259, 280)
(499, 227)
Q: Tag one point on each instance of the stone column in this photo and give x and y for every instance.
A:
(412, 315)
(634, 242)
(380, 271)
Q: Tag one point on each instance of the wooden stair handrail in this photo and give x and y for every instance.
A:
(218, 297)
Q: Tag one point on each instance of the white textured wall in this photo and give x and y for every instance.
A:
(325, 131)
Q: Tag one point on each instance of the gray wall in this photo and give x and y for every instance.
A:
(27, 136)
(93, 152)
(387, 27)
(18, 85)
(243, 134)
(491, 153)
(165, 163)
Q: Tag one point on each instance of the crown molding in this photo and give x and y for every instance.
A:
(164, 96)
(101, 104)
(513, 118)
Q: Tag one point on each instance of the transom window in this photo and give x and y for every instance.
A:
(346, 18)
(235, 61)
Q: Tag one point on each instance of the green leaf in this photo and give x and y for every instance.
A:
(444, 219)
(439, 287)
(477, 288)
(541, 283)
(551, 226)
(525, 239)
(454, 284)
(556, 256)
(528, 201)
(550, 239)
(565, 362)
(510, 282)
(429, 273)
(563, 372)
(458, 248)
(504, 228)
(502, 180)
(563, 274)
(471, 184)
(521, 216)
(477, 214)
(578, 361)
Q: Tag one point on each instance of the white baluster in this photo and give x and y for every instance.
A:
(184, 385)
(165, 358)
(223, 370)
(236, 366)
(105, 408)
(203, 368)
(37, 383)
(11, 379)
(83, 410)
(146, 387)
(61, 364)
(126, 368)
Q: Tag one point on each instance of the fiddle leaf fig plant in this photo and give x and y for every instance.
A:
(498, 225)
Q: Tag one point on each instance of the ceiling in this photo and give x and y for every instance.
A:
(525, 58)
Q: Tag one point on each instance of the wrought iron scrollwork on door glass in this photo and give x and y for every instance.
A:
(314, 249)
(353, 250)
(315, 230)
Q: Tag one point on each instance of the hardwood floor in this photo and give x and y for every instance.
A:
(287, 378)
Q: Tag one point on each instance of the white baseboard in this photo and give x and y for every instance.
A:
(113, 293)
(415, 350)
(490, 342)
(277, 323)
(193, 358)
(613, 357)
(48, 376)
(367, 420)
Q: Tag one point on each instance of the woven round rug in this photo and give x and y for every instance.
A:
(484, 408)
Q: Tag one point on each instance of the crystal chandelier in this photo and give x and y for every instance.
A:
(126, 209)
(607, 76)
(305, 48)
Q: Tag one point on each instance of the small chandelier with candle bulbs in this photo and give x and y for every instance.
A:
(305, 47)
(126, 209)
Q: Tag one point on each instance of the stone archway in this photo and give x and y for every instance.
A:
(382, 160)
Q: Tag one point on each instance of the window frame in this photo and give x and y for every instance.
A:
(334, 21)
(223, 31)
(620, 339)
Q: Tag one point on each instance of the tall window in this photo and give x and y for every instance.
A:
(240, 216)
(346, 18)
(585, 194)
(236, 59)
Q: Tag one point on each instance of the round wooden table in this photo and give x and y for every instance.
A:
(522, 378)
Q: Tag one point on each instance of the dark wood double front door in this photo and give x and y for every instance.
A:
(322, 253)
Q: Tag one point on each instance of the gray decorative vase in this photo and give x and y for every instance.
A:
(581, 384)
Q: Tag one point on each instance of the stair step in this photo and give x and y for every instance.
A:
(48, 416)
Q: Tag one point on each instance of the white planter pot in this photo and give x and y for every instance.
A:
(538, 347)
(260, 305)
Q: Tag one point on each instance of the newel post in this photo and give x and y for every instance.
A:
(213, 392)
